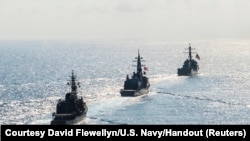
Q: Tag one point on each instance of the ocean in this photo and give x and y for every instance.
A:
(34, 74)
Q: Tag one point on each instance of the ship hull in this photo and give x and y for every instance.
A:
(66, 120)
(186, 72)
(132, 93)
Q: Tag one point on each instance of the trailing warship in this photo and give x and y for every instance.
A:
(190, 66)
(138, 84)
(72, 109)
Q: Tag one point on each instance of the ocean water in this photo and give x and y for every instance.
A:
(33, 76)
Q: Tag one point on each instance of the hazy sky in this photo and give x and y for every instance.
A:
(124, 19)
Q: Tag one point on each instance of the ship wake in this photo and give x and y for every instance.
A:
(204, 99)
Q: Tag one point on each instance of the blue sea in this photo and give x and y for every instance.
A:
(34, 74)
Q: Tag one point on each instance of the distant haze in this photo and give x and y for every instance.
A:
(124, 19)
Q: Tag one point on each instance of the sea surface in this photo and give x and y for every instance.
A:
(34, 74)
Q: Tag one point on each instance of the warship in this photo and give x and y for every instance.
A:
(72, 109)
(190, 66)
(138, 84)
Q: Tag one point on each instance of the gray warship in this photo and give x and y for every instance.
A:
(138, 84)
(190, 66)
(72, 109)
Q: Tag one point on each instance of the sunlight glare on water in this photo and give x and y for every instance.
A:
(33, 76)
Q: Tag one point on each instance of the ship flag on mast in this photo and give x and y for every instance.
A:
(197, 56)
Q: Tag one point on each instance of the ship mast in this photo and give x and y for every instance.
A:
(73, 83)
(189, 52)
(139, 69)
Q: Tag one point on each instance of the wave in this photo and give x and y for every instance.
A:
(205, 99)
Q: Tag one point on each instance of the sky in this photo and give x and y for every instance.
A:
(124, 19)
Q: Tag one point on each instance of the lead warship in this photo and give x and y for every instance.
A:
(138, 84)
(72, 109)
(190, 66)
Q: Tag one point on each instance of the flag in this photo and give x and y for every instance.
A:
(197, 56)
(146, 68)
